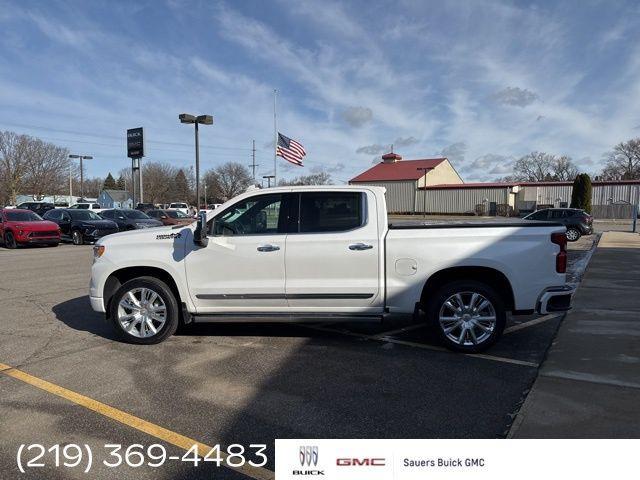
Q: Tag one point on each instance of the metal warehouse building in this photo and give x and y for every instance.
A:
(433, 186)
(402, 178)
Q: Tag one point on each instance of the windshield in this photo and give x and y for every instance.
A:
(136, 214)
(84, 215)
(175, 214)
(178, 205)
(22, 216)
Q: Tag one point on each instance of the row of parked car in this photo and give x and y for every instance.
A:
(20, 226)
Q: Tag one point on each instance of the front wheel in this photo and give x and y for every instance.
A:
(469, 316)
(77, 237)
(573, 234)
(144, 310)
(9, 240)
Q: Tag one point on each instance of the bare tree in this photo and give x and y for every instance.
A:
(316, 178)
(158, 181)
(47, 168)
(534, 167)
(14, 151)
(564, 170)
(623, 163)
(227, 181)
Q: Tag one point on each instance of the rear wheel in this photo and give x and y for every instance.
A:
(144, 310)
(469, 316)
(573, 234)
(9, 240)
(77, 237)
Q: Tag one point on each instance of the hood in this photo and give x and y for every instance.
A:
(37, 226)
(150, 221)
(97, 223)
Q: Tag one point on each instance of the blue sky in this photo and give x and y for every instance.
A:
(482, 82)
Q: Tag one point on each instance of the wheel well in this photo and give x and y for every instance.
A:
(117, 278)
(486, 275)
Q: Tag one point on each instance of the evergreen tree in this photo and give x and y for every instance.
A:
(581, 193)
(109, 183)
(121, 184)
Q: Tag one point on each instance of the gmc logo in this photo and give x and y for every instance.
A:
(360, 462)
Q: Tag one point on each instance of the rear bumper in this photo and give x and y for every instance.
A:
(555, 299)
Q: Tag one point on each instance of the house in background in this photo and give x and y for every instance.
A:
(403, 178)
(115, 199)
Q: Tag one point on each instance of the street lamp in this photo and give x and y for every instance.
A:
(205, 120)
(269, 177)
(81, 157)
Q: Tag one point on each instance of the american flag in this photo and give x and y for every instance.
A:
(290, 150)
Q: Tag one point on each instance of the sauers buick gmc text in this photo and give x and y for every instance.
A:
(310, 253)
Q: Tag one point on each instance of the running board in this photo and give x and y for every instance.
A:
(283, 317)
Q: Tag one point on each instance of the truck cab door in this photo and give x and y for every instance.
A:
(333, 261)
(242, 267)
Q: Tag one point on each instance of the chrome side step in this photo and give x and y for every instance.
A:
(283, 317)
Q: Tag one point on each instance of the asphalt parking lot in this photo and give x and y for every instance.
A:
(245, 384)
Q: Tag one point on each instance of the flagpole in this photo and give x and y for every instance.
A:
(275, 139)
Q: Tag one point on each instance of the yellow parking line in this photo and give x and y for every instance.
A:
(530, 323)
(125, 418)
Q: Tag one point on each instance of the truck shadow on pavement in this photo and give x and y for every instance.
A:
(77, 314)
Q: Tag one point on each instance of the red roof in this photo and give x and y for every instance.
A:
(470, 185)
(400, 170)
(523, 184)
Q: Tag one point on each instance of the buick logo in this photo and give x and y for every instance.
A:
(308, 456)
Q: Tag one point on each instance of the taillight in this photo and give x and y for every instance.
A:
(560, 238)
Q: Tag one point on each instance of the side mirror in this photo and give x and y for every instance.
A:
(200, 234)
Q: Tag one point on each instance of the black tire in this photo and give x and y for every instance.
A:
(466, 288)
(573, 234)
(10, 241)
(77, 238)
(171, 308)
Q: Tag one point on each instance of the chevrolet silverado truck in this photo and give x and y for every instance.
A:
(295, 254)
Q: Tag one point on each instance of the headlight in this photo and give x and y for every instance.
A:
(98, 251)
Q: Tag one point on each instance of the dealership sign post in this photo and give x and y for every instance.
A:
(135, 151)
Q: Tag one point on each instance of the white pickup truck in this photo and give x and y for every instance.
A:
(312, 253)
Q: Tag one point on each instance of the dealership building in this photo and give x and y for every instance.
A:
(433, 186)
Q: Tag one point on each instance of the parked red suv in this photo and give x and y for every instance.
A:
(24, 227)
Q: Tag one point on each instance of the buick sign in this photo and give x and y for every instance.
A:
(135, 143)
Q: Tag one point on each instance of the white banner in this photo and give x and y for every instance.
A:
(457, 459)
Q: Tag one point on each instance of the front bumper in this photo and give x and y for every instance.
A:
(97, 305)
(555, 299)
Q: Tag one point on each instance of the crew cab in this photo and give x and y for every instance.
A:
(314, 253)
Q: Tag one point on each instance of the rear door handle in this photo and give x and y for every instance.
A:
(360, 246)
(268, 248)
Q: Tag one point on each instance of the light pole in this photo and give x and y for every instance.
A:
(269, 177)
(81, 157)
(205, 120)
(424, 171)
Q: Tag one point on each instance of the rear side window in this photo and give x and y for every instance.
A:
(330, 211)
(558, 214)
(54, 214)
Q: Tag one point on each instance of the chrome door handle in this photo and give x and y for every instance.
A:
(268, 248)
(360, 246)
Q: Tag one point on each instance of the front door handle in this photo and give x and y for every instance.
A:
(360, 246)
(268, 248)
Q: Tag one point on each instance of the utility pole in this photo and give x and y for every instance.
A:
(253, 163)
(424, 171)
(269, 177)
(81, 158)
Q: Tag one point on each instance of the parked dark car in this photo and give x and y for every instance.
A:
(145, 207)
(80, 226)
(128, 219)
(578, 222)
(24, 227)
(171, 217)
(37, 207)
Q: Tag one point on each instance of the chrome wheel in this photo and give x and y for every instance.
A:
(76, 237)
(142, 312)
(467, 318)
(573, 235)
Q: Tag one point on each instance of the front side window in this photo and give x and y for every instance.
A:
(136, 215)
(259, 215)
(330, 211)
